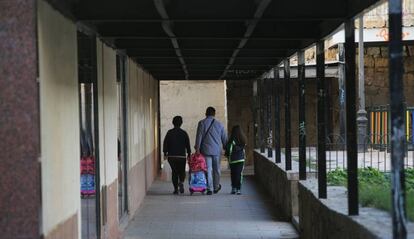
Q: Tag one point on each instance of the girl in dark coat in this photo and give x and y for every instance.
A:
(235, 153)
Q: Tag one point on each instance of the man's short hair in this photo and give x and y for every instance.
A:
(177, 121)
(210, 111)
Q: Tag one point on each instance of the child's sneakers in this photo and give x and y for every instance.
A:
(235, 191)
(181, 187)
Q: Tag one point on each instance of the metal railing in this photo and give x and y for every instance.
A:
(379, 125)
(377, 154)
(333, 152)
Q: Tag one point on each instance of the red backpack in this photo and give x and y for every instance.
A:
(197, 163)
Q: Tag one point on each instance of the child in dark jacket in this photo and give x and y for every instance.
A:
(176, 145)
(236, 156)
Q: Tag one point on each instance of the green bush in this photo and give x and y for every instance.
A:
(337, 177)
(409, 179)
(375, 188)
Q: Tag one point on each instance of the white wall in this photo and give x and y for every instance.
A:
(108, 113)
(59, 117)
(133, 114)
(59, 109)
(190, 99)
(142, 105)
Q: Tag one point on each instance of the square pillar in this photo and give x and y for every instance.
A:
(19, 121)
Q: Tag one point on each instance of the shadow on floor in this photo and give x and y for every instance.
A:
(221, 215)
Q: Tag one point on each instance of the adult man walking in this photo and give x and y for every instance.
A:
(211, 138)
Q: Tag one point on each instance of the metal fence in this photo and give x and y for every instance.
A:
(377, 154)
(376, 145)
(334, 151)
(379, 125)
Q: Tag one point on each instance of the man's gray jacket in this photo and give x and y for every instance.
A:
(214, 141)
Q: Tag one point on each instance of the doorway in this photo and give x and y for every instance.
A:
(121, 64)
(89, 128)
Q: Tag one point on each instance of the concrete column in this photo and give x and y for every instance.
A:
(362, 120)
(19, 121)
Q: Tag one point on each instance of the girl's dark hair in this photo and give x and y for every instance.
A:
(237, 135)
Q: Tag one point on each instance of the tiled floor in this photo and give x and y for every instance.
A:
(88, 218)
(220, 216)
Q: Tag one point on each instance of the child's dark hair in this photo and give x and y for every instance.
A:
(238, 136)
(177, 121)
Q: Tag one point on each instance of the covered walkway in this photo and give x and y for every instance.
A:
(80, 117)
(225, 216)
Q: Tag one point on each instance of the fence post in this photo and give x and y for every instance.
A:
(399, 217)
(320, 77)
(288, 150)
(342, 96)
(276, 88)
(255, 110)
(269, 117)
(261, 112)
(351, 131)
(302, 115)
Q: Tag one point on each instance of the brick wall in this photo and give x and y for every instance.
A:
(240, 95)
(240, 103)
(376, 91)
(311, 110)
(239, 110)
(376, 75)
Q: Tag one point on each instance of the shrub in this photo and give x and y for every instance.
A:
(375, 188)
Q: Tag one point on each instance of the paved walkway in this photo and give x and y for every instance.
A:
(222, 215)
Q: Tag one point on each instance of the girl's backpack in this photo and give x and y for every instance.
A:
(197, 162)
